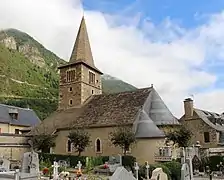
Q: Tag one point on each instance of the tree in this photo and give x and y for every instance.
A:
(123, 137)
(80, 139)
(180, 136)
(43, 142)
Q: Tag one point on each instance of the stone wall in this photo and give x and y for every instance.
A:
(81, 89)
(13, 146)
(198, 127)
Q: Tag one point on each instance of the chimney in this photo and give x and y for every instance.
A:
(188, 107)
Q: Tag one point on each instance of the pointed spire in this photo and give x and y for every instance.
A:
(82, 50)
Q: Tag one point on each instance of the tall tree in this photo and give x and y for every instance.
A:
(80, 139)
(180, 136)
(123, 137)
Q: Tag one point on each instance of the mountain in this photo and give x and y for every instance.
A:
(29, 74)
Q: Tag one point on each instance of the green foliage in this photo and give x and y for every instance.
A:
(180, 136)
(80, 140)
(127, 161)
(43, 142)
(42, 107)
(123, 137)
(174, 168)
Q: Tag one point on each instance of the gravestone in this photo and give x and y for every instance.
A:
(185, 172)
(4, 165)
(115, 159)
(122, 174)
(114, 162)
(30, 163)
(158, 174)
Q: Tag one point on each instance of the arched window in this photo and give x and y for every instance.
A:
(69, 146)
(98, 145)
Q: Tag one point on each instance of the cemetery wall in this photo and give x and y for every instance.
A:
(13, 146)
(198, 127)
(143, 150)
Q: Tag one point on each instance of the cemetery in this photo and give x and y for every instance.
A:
(36, 166)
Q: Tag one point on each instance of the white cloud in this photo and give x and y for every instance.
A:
(138, 56)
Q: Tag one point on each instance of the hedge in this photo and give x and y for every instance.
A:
(127, 161)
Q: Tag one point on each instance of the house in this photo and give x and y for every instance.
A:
(14, 123)
(207, 127)
(82, 105)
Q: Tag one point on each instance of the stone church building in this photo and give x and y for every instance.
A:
(82, 104)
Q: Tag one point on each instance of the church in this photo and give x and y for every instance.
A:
(82, 104)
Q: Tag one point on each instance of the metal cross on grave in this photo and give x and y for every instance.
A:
(79, 165)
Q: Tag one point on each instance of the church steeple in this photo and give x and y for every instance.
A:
(82, 51)
(79, 78)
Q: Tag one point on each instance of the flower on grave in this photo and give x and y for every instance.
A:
(45, 171)
(105, 166)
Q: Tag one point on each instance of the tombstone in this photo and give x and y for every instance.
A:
(158, 174)
(189, 155)
(115, 159)
(30, 163)
(196, 163)
(114, 162)
(122, 174)
(4, 165)
(136, 169)
(185, 172)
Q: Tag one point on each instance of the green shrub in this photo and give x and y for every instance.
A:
(174, 168)
(127, 161)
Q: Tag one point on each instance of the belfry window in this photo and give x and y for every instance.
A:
(70, 75)
(98, 146)
(92, 78)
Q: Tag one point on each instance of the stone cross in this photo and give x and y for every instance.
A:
(147, 169)
(55, 170)
(79, 165)
(136, 169)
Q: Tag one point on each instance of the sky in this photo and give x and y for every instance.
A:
(175, 45)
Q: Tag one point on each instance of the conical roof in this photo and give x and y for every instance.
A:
(81, 52)
(158, 111)
(146, 128)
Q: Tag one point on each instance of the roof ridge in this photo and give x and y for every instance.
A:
(27, 109)
(124, 92)
(207, 111)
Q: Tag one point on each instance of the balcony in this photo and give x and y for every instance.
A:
(161, 158)
(164, 154)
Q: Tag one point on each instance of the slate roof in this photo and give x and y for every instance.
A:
(126, 108)
(212, 119)
(26, 117)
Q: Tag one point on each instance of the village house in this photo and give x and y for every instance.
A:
(82, 104)
(206, 127)
(14, 123)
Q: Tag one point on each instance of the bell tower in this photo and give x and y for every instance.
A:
(79, 78)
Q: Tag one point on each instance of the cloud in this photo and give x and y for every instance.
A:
(139, 52)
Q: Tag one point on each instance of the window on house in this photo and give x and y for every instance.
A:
(92, 78)
(70, 101)
(69, 146)
(92, 91)
(16, 131)
(98, 145)
(14, 116)
(70, 75)
(206, 137)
